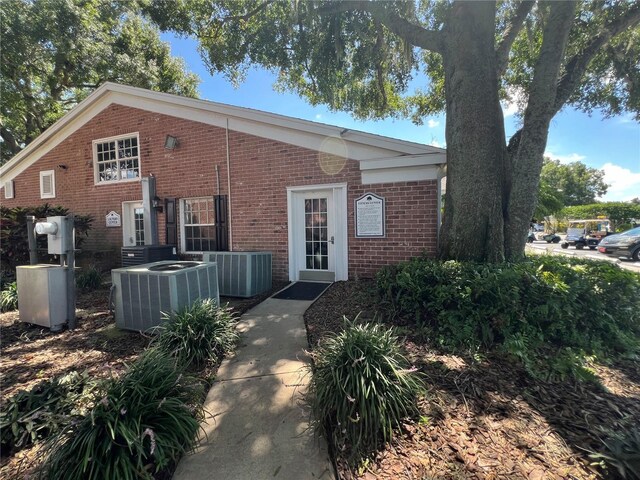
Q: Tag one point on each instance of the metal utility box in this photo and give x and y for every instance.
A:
(147, 254)
(42, 295)
(144, 292)
(59, 241)
(242, 274)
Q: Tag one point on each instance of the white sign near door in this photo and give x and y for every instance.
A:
(370, 216)
(113, 219)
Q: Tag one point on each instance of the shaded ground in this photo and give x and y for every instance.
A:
(30, 354)
(483, 417)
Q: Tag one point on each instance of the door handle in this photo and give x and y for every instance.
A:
(332, 240)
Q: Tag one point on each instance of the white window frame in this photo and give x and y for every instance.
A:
(94, 149)
(9, 191)
(183, 223)
(52, 174)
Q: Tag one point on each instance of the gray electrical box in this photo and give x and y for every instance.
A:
(56, 230)
(42, 295)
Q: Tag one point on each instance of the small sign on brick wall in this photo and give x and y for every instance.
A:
(112, 219)
(370, 221)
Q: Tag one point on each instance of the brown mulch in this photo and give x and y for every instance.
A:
(30, 354)
(484, 417)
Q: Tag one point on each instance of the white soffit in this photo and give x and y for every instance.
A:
(359, 145)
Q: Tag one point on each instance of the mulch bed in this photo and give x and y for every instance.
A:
(483, 416)
(30, 354)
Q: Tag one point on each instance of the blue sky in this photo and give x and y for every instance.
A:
(610, 144)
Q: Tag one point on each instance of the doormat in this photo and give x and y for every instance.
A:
(302, 291)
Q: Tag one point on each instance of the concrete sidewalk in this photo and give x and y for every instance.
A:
(257, 426)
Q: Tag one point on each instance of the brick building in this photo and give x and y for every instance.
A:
(328, 202)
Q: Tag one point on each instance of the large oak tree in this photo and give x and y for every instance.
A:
(55, 52)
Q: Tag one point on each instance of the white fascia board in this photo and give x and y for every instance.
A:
(400, 174)
(435, 158)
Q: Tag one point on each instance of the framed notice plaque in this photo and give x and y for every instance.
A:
(370, 216)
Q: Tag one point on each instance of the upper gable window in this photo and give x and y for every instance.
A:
(117, 159)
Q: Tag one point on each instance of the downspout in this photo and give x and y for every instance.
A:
(442, 171)
(229, 188)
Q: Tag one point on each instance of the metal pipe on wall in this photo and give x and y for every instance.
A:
(229, 189)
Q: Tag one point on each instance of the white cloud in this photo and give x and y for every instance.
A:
(572, 157)
(318, 116)
(437, 144)
(509, 109)
(433, 123)
(623, 183)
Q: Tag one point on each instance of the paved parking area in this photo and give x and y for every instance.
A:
(556, 249)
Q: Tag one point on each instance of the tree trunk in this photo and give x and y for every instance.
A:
(527, 147)
(473, 227)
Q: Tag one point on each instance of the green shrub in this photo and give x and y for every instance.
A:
(34, 415)
(621, 453)
(89, 279)
(197, 334)
(9, 298)
(361, 388)
(147, 419)
(543, 304)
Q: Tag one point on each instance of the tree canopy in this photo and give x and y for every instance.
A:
(564, 185)
(360, 56)
(56, 52)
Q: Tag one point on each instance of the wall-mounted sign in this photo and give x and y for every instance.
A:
(370, 216)
(112, 219)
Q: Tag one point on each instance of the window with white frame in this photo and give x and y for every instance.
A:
(48, 184)
(198, 225)
(116, 159)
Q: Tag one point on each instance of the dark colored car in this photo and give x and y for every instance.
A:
(625, 244)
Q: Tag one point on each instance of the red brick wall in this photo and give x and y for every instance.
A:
(261, 170)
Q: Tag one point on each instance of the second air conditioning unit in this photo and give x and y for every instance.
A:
(242, 274)
(144, 292)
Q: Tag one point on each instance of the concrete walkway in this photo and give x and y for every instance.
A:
(257, 427)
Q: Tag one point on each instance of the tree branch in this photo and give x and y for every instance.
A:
(410, 32)
(9, 140)
(576, 66)
(510, 34)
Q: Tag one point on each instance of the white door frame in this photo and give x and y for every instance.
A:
(338, 193)
(128, 229)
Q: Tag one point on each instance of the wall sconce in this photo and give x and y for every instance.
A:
(156, 203)
(170, 142)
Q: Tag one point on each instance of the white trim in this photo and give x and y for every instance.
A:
(341, 251)
(94, 151)
(9, 189)
(403, 174)
(360, 145)
(52, 193)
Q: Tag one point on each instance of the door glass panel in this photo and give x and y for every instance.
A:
(138, 225)
(316, 251)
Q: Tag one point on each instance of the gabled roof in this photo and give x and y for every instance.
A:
(360, 145)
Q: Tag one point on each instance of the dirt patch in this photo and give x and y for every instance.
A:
(30, 354)
(484, 417)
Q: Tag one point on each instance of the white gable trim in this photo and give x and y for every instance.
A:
(359, 145)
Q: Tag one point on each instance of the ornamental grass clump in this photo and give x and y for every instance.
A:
(361, 388)
(9, 298)
(198, 334)
(147, 419)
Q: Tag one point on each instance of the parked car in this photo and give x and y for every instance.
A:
(625, 244)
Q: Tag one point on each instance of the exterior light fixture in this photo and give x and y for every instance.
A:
(156, 203)
(170, 142)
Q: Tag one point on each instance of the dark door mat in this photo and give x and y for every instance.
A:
(303, 291)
